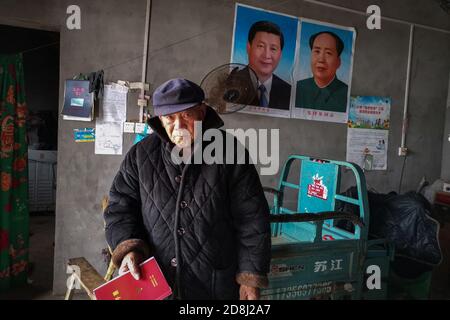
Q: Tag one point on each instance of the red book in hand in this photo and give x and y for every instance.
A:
(151, 286)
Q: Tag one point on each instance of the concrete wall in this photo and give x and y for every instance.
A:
(112, 33)
(188, 39)
(445, 173)
(379, 69)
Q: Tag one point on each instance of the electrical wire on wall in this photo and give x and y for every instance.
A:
(152, 53)
(39, 47)
(219, 27)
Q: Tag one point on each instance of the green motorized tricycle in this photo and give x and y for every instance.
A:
(313, 258)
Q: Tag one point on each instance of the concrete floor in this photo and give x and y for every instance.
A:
(42, 233)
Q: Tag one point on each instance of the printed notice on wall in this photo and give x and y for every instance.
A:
(368, 131)
(109, 127)
(114, 103)
(108, 137)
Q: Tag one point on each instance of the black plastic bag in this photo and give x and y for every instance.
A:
(403, 220)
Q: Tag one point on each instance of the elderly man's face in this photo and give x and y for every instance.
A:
(324, 59)
(264, 54)
(179, 124)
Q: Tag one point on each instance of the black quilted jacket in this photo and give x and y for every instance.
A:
(205, 224)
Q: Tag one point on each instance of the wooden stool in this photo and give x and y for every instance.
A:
(84, 272)
(86, 275)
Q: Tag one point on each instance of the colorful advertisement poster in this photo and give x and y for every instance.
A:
(84, 135)
(368, 131)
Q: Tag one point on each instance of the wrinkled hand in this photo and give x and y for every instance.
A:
(248, 293)
(131, 263)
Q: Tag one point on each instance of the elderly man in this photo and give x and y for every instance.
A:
(206, 225)
(324, 90)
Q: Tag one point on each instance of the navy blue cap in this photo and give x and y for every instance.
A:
(176, 95)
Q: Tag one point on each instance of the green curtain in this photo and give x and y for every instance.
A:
(14, 218)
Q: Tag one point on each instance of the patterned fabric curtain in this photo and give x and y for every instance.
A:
(14, 218)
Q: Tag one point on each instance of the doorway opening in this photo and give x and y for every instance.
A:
(40, 52)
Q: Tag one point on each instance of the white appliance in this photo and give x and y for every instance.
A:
(42, 180)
